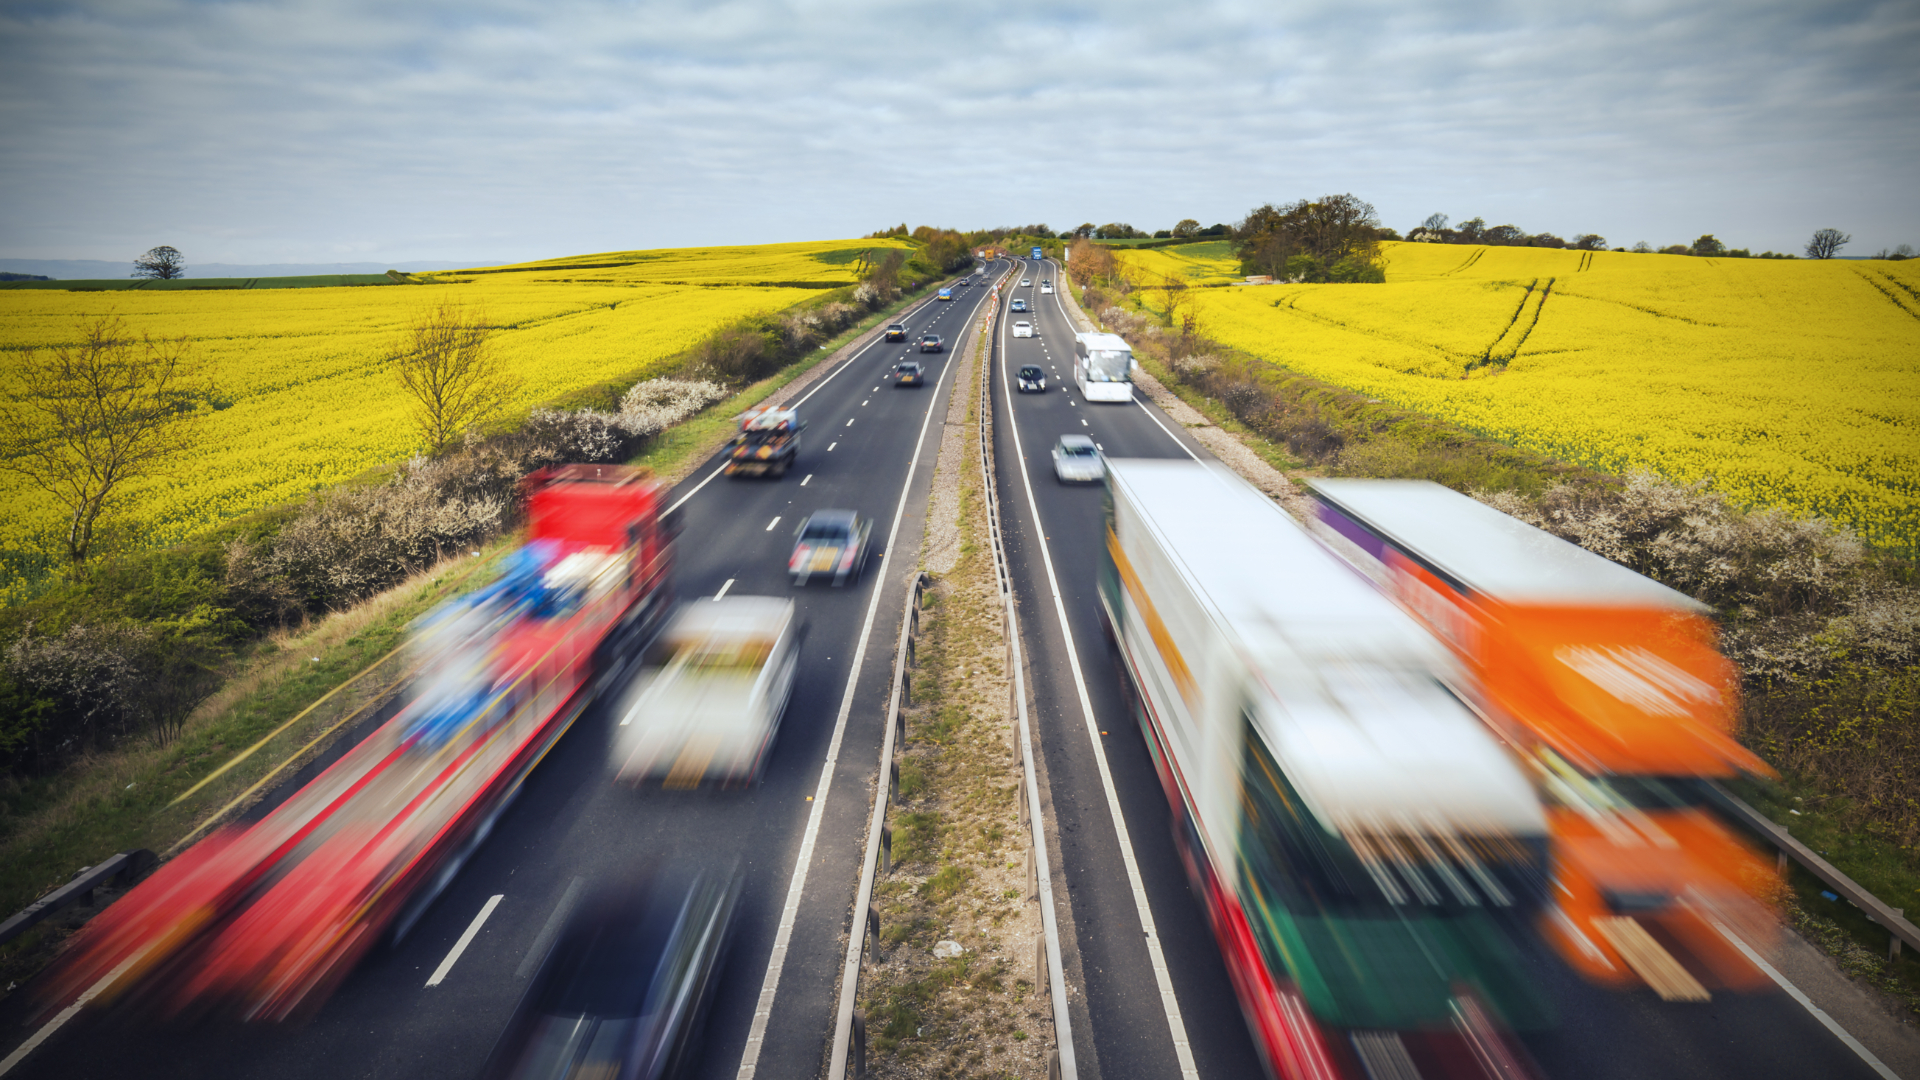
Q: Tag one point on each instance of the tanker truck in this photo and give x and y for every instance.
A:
(1364, 848)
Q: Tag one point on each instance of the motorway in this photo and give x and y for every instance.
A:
(1108, 807)
(868, 447)
(1150, 996)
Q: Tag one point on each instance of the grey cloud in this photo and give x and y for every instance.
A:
(254, 132)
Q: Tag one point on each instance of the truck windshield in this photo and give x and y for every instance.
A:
(1109, 365)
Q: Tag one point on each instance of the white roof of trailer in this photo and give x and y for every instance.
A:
(1490, 552)
(1362, 724)
(1101, 340)
(731, 616)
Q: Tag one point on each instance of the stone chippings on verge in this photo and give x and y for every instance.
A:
(969, 1005)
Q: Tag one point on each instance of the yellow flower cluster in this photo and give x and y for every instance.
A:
(1786, 383)
(307, 396)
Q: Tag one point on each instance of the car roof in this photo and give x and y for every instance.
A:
(910, 363)
(834, 517)
(1024, 368)
(1076, 440)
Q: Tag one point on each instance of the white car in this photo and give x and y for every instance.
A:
(1045, 288)
(1023, 329)
(1076, 460)
(1025, 281)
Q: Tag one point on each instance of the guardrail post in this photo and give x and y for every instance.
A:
(906, 688)
(873, 935)
(1053, 1065)
(1033, 875)
(886, 848)
(1040, 960)
(857, 1053)
(1893, 939)
(895, 778)
(1020, 800)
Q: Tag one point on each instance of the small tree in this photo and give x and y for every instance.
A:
(1590, 242)
(446, 363)
(1187, 227)
(84, 419)
(1826, 243)
(162, 262)
(1708, 246)
(1435, 222)
(1174, 287)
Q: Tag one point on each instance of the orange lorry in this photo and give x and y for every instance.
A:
(1611, 686)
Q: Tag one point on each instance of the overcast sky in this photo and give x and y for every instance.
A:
(328, 132)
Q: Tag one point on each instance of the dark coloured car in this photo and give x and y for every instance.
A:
(830, 543)
(909, 373)
(1030, 379)
(624, 991)
(896, 332)
(932, 343)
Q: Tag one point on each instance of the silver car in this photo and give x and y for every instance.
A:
(1076, 460)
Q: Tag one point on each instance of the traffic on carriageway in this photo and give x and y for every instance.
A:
(432, 1003)
(1135, 857)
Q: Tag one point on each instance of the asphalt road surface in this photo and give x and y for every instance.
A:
(1128, 1030)
(572, 822)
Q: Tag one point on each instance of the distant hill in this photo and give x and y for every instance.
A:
(96, 269)
(9, 276)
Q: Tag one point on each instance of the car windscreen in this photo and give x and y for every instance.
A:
(824, 532)
(1029, 372)
(1078, 451)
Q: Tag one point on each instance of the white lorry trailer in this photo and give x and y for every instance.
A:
(1363, 845)
(1103, 366)
(710, 692)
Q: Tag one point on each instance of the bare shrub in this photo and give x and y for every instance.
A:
(90, 675)
(652, 406)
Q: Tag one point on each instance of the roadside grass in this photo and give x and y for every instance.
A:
(1274, 454)
(959, 850)
(1890, 873)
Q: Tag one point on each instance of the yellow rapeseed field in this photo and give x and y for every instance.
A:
(1786, 383)
(308, 399)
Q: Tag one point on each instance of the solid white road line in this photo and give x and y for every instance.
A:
(1806, 1003)
(729, 584)
(68, 1013)
(1155, 955)
(466, 939)
(789, 913)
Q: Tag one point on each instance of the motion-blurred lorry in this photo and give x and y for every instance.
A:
(710, 693)
(1364, 847)
(1612, 686)
(261, 920)
(766, 444)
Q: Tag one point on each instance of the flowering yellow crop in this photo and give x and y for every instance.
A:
(308, 399)
(1787, 383)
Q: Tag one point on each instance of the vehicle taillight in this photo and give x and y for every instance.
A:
(846, 560)
(800, 553)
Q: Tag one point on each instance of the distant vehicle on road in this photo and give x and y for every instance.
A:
(1024, 282)
(830, 543)
(944, 294)
(1046, 286)
(625, 989)
(1018, 305)
(1103, 367)
(932, 343)
(896, 332)
(709, 694)
(909, 373)
(767, 443)
(1076, 460)
(1023, 328)
(1030, 379)
(1036, 254)
(966, 281)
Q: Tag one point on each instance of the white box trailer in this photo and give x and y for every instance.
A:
(1351, 825)
(1103, 366)
(709, 694)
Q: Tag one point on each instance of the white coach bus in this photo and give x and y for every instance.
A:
(1103, 367)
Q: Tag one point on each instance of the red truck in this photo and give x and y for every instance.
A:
(260, 921)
